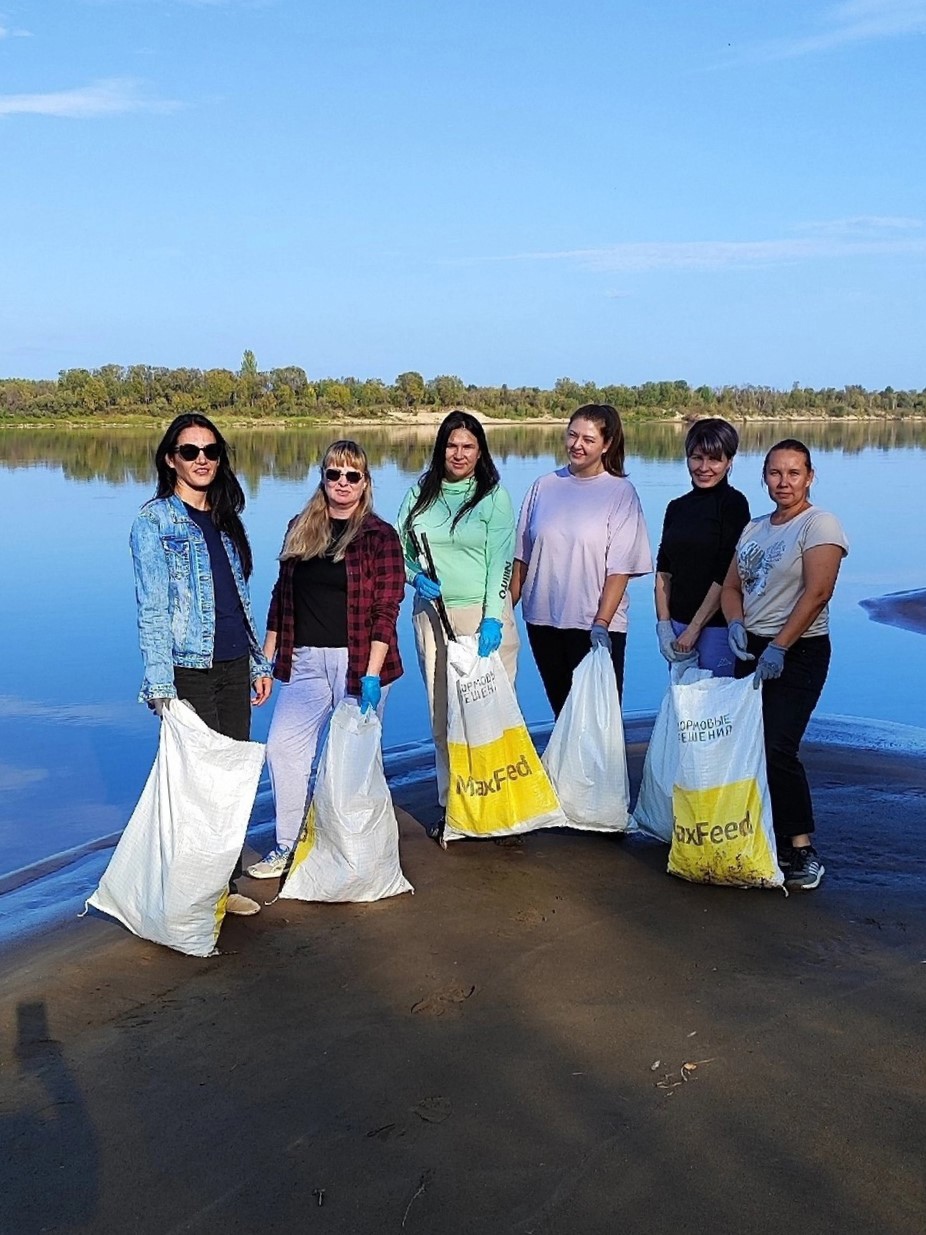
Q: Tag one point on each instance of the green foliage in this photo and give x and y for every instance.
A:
(114, 391)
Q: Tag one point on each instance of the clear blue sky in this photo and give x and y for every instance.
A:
(726, 192)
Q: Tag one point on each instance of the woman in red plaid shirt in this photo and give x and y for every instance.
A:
(331, 630)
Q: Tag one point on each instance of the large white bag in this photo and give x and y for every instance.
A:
(348, 849)
(585, 757)
(167, 880)
(498, 786)
(653, 810)
(720, 801)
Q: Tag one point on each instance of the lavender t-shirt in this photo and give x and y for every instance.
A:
(572, 534)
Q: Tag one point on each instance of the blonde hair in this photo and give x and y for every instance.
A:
(310, 533)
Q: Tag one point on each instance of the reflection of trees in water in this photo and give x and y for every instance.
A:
(120, 456)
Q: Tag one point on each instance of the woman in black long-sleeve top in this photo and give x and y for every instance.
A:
(699, 534)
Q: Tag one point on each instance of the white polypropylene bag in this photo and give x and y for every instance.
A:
(498, 786)
(348, 849)
(585, 757)
(167, 880)
(653, 810)
(720, 800)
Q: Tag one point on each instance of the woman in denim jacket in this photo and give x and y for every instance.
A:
(192, 561)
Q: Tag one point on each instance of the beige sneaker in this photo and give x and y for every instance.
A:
(241, 906)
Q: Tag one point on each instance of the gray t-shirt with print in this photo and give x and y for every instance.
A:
(769, 559)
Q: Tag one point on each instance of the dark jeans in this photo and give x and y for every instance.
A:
(221, 697)
(787, 705)
(558, 654)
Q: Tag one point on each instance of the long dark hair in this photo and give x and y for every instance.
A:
(609, 422)
(485, 476)
(225, 495)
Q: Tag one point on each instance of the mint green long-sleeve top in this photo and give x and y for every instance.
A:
(474, 560)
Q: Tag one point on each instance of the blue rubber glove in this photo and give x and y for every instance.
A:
(426, 587)
(769, 665)
(665, 633)
(370, 692)
(600, 637)
(736, 637)
(490, 636)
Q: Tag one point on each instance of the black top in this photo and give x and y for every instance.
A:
(699, 535)
(231, 632)
(320, 599)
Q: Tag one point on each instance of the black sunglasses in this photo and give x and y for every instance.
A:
(188, 452)
(335, 473)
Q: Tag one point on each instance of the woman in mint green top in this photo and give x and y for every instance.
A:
(468, 519)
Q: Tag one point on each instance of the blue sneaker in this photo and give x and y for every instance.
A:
(273, 865)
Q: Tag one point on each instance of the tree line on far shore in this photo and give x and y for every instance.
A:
(250, 393)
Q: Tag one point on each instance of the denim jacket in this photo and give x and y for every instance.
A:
(176, 598)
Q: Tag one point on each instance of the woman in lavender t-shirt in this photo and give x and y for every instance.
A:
(581, 537)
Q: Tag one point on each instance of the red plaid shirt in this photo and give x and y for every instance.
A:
(375, 584)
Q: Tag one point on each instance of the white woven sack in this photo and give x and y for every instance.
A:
(653, 810)
(585, 757)
(167, 880)
(349, 846)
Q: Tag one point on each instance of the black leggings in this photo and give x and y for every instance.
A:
(559, 653)
(787, 705)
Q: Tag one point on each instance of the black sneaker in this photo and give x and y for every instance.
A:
(436, 830)
(806, 869)
(785, 854)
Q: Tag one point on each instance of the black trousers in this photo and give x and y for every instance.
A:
(558, 654)
(221, 697)
(787, 705)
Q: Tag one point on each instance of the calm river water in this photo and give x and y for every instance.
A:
(75, 747)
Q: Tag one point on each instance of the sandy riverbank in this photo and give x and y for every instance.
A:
(502, 1052)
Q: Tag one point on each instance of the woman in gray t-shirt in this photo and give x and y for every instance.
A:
(775, 600)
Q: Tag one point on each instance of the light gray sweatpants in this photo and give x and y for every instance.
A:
(303, 708)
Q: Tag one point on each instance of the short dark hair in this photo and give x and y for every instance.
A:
(713, 437)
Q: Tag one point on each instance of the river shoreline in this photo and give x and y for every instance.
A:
(424, 418)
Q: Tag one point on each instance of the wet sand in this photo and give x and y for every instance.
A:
(905, 609)
(503, 1052)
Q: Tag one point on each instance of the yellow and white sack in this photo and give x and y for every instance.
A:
(167, 880)
(348, 849)
(498, 786)
(586, 758)
(652, 812)
(722, 814)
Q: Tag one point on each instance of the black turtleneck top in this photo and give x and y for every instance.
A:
(699, 534)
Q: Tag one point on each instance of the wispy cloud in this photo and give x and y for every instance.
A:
(114, 96)
(862, 236)
(852, 21)
(7, 33)
(192, 4)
